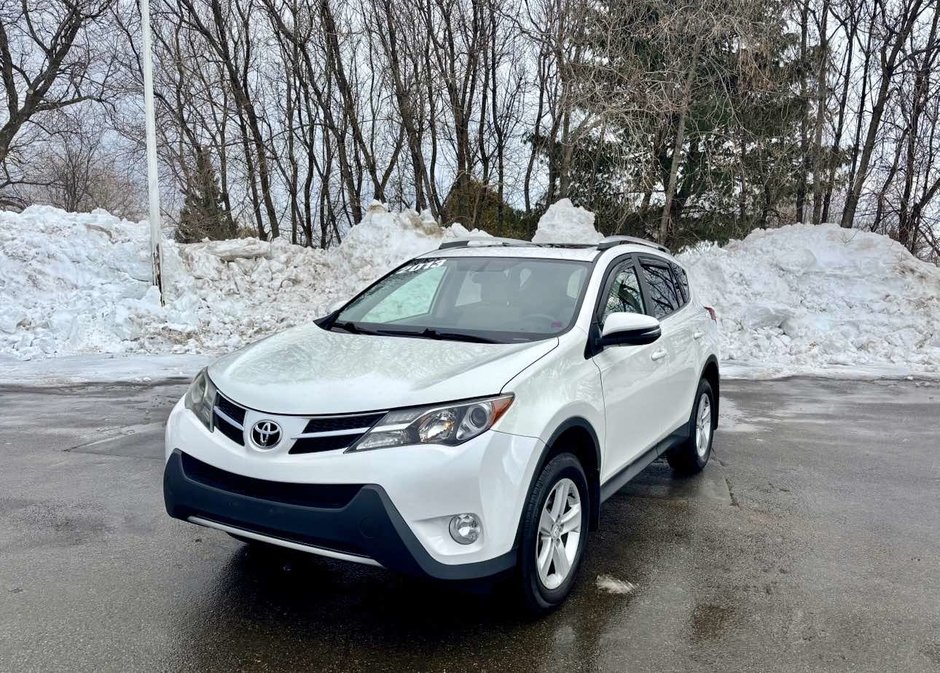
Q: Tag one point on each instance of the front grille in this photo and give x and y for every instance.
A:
(229, 431)
(229, 419)
(334, 424)
(230, 409)
(323, 496)
(222, 423)
(319, 444)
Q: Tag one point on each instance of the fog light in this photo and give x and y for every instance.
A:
(465, 528)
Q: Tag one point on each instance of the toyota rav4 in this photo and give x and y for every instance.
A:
(463, 417)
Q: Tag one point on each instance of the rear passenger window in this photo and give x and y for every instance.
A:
(664, 295)
(682, 280)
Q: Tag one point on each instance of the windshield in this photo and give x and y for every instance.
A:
(486, 299)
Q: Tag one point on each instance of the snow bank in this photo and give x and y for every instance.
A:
(799, 299)
(803, 298)
(80, 283)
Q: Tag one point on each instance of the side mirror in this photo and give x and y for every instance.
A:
(629, 329)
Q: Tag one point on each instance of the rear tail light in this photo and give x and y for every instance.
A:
(712, 314)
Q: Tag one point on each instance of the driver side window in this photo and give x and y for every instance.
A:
(624, 295)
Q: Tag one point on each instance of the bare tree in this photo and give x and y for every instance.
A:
(49, 62)
(675, 121)
(898, 23)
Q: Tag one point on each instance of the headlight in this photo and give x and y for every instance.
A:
(450, 425)
(201, 398)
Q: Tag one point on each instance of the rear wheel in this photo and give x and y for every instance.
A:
(554, 533)
(693, 454)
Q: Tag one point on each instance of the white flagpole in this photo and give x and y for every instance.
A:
(153, 180)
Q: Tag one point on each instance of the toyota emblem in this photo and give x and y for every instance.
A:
(265, 434)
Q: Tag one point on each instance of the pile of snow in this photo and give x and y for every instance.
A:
(804, 298)
(798, 299)
(564, 222)
(80, 283)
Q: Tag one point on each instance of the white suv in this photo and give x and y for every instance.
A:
(463, 417)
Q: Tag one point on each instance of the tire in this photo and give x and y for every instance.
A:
(544, 590)
(692, 455)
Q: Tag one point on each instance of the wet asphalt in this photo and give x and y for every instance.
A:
(811, 542)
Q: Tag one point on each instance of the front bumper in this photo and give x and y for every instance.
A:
(389, 506)
(351, 520)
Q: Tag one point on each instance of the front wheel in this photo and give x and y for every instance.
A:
(692, 455)
(554, 533)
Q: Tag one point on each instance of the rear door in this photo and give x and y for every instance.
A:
(698, 321)
(635, 397)
(668, 300)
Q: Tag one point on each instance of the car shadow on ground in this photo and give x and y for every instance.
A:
(270, 602)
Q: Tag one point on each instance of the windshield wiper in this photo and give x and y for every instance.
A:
(431, 333)
(426, 333)
(456, 336)
(349, 326)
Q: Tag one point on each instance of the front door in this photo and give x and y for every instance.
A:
(632, 377)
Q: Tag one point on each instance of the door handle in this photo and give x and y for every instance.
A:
(698, 335)
(658, 355)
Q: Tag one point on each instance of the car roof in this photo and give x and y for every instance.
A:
(579, 253)
(586, 252)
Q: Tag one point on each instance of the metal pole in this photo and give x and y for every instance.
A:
(153, 180)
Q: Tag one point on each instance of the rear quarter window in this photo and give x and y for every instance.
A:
(682, 282)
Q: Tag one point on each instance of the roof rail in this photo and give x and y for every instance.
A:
(614, 241)
(482, 241)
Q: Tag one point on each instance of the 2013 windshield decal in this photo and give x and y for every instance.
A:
(421, 266)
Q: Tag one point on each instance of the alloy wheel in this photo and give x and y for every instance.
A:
(703, 425)
(556, 546)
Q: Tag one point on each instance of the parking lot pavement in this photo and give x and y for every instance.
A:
(811, 542)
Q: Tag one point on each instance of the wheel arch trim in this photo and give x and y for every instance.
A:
(593, 476)
(712, 361)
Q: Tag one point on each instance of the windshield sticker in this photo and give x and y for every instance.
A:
(421, 266)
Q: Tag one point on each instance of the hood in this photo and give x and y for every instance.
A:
(310, 371)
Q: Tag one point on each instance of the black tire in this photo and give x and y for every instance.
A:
(537, 598)
(686, 458)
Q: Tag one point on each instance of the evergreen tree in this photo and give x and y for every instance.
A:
(204, 214)
(697, 105)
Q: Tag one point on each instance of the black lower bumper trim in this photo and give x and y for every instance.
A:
(367, 524)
